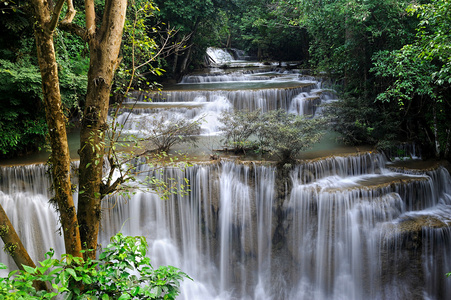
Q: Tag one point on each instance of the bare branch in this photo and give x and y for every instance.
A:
(55, 15)
(70, 14)
(75, 29)
(165, 49)
(90, 18)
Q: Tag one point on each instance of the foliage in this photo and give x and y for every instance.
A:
(345, 34)
(140, 46)
(286, 134)
(238, 128)
(122, 272)
(278, 132)
(193, 21)
(166, 131)
(22, 124)
(434, 38)
(411, 75)
(362, 122)
(418, 76)
(264, 30)
(73, 69)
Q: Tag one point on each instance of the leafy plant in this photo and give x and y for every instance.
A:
(123, 271)
(22, 125)
(418, 77)
(165, 131)
(277, 132)
(360, 121)
(238, 128)
(285, 135)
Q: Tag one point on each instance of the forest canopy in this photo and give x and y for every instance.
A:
(391, 57)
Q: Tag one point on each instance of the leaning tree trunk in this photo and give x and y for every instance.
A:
(104, 45)
(15, 248)
(56, 122)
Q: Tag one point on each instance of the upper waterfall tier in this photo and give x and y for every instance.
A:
(216, 94)
(264, 99)
(230, 57)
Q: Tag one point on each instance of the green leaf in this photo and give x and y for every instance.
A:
(28, 269)
(124, 297)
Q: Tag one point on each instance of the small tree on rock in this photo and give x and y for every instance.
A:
(286, 135)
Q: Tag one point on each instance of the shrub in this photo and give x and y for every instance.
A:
(286, 135)
(277, 132)
(164, 132)
(122, 272)
(238, 127)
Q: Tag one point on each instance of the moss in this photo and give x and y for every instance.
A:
(10, 248)
(4, 229)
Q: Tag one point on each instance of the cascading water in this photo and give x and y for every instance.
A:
(343, 227)
(203, 98)
(219, 56)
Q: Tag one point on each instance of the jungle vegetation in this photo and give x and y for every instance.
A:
(62, 63)
(390, 57)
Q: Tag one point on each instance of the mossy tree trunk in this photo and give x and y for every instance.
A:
(104, 45)
(56, 121)
(82, 227)
(15, 248)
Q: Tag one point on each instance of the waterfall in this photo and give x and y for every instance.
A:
(344, 227)
(204, 98)
(24, 195)
(219, 56)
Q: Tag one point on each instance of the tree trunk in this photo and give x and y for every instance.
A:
(104, 45)
(56, 122)
(13, 244)
(185, 61)
(435, 125)
(229, 41)
(15, 248)
(187, 54)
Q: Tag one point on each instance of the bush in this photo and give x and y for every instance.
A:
(121, 272)
(165, 132)
(277, 132)
(22, 122)
(360, 121)
(286, 135)
(238, 127)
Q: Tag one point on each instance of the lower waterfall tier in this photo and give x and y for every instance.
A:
(335, 228)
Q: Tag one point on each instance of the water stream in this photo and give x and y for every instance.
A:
(348, 226)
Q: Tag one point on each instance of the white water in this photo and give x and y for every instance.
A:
(219, 56)
(213, 95)
(345, 227)
(345, 230)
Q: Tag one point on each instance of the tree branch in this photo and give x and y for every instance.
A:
(75, 29)
(15, 248)
(66, 24)
(56, 15)
(105, 190)
(90, 18)
(70, 14)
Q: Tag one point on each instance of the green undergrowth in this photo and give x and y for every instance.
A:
(122, 271)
